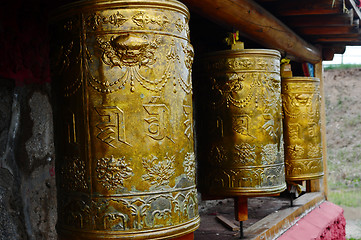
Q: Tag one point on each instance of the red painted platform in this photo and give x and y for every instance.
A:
(325, 222)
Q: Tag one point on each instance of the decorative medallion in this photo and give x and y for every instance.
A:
(112, 172)
(245, 153)
(142, 19)
(269, 154)
(130, 52)
(73, 174)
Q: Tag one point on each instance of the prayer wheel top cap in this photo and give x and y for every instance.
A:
(303, 79)
(245, 52)
(170, 4)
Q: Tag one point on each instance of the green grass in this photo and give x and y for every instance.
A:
(348, 198)
(342, 66)
(353, 121)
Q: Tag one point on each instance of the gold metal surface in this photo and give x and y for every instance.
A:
(302, 124)
(124, 124)
(239, 124)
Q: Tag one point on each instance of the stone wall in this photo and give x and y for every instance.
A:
(27, 174)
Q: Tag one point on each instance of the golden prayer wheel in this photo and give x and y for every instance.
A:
(124, 124)
(240, 124)
(302, 124)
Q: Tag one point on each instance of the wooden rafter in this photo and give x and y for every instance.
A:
(305, 7)
(328, 30)
(285, 24)
(258, 24)
(343, 19)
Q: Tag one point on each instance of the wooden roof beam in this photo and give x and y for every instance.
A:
(328, 30)
(341, 40)
(306, 7)
(329, 52)
(320, 20)
(258, 24)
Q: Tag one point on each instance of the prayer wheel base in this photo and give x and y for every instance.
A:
(248, 192)
(305, 177)
(181, 232)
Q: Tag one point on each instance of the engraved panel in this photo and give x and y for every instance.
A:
(142, 19)
(96, 20)
(157, 119)
(305, 168)
(131, 213)
(312, 130)
(294, 131)
(112, 126)
(188, 123)
(240, 124)
(236, 179)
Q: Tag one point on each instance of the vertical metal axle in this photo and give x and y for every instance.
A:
(241, 212)
(241, 230)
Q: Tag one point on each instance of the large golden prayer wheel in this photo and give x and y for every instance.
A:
(302, 124)
(123, 113)
(240, 124)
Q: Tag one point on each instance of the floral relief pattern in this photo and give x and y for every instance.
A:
(158, 174)
(189, 165)
(113, 171)
(295, 151)
(314, 150)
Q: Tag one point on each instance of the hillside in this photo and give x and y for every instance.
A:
(343, 115)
